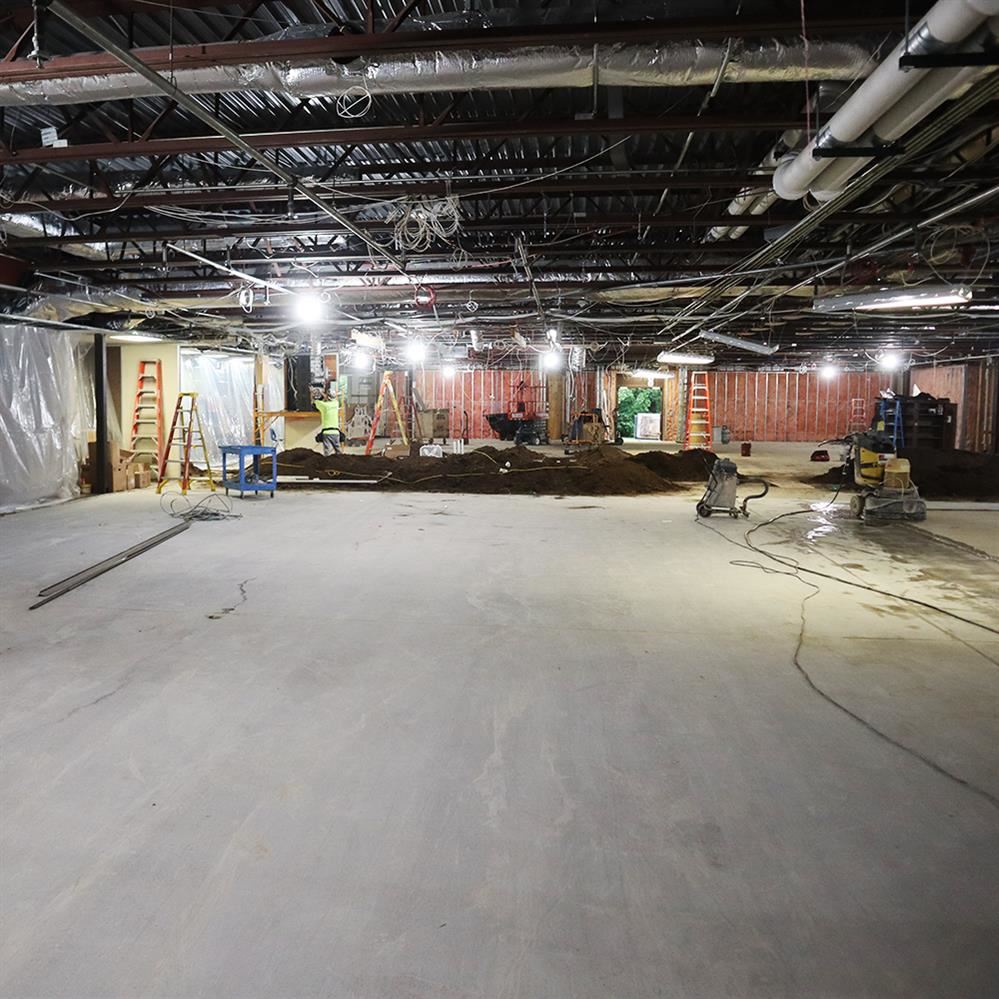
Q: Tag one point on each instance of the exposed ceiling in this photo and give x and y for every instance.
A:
(531, 167)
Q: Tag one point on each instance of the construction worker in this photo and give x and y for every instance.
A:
(329, 426)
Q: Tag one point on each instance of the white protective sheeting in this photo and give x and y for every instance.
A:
(86, 406)
(39, 417)
(224, 383)
(274, 399)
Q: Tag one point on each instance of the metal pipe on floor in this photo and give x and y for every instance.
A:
(63, 586)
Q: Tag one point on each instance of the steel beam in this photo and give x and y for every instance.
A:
(402, 134)
(503, 189)
(231, 138)
(594, 226)
(588, 250)
(165, 59)
(511, 189)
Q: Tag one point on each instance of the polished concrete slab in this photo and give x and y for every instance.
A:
(360, 745)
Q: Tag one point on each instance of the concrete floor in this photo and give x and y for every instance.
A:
(399, 746)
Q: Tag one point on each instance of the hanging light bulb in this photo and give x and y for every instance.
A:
(553, 359)
(308, 308)
(416, 351)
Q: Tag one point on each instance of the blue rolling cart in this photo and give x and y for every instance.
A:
(248, 478)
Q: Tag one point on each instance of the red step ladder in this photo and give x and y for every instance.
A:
(697, 432)
(147, 414)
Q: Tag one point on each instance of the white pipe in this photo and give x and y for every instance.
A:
(918, 103)
(749, 199)
(947, 24)
(443, 71)
(762, 204)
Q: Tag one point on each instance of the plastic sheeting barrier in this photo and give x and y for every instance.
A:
(224, 383)
(274, 399)
(39, 414)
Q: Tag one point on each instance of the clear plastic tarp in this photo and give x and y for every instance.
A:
(40, 422)
(274, 400)
(224, 383)
(86, 414)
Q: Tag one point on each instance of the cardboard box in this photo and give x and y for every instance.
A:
(141, 476)
(117, 477)
(113, 453)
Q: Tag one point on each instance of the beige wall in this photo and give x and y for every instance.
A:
(131, 354)
(301, 433)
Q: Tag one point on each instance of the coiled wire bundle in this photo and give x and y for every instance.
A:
(419, 223)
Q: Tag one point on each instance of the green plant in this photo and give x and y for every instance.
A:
(636, 400)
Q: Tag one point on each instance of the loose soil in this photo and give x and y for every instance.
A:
(602, 471)
(937, 474)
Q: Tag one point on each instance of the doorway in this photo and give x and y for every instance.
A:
(632, 403)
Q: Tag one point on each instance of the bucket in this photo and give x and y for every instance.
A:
(747, 449)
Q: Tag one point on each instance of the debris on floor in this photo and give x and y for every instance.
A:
(602, 471)
(939, 474)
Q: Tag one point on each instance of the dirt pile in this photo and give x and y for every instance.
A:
(937, 474)
(684, 466)
(835, 476)
(603, 471)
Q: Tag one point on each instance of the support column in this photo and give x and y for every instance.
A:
(556, 406)
(100, 473)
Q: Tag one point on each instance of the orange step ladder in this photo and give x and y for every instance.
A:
(147, 414)
(697, 432)
(186, 437)
(858, 414)
(386, 386)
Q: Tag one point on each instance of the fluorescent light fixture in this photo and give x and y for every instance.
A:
(650, 373)
(889, 362)
(416, 351)
(829, 371)
(361, 361)
(371, 340)
(448, 370)
(923, 296)
(308, 309)
(740, 343)
(553, 359)
(135, 338)
(676, 357)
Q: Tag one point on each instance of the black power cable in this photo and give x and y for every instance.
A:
(793, 569)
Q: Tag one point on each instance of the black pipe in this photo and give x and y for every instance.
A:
(100, 473)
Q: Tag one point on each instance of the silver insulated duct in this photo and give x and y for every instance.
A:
(445, 71)
(22, 225)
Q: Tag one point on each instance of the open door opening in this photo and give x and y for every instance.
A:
(639, 413)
